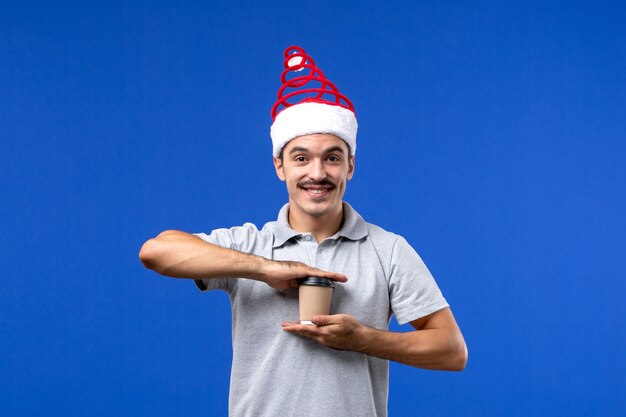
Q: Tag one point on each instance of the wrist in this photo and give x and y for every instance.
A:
(364, 336)
(257, 268)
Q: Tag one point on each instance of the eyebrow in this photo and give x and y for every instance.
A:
(296, 149)
(337, 149)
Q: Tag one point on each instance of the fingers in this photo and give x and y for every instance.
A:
(337, 331)
(319, 334)
(331, 275)
(337, 277)
(309, 331)
(290, 269)
(323, 320)
(318, 321)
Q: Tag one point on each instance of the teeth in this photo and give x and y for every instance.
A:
(316, 191)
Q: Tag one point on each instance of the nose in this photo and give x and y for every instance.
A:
(317, 172)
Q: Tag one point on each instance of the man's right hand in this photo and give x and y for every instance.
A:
(182, 255)
(285, 274)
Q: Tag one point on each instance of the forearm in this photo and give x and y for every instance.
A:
(430, 348)
(182, 255)
(438, 344)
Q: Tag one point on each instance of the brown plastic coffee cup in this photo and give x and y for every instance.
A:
(315, 297)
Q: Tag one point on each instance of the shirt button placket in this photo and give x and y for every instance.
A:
(320, 256)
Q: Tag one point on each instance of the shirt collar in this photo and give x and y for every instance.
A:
(354, 227)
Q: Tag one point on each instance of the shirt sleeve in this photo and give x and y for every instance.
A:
(240, 238)
(413, 292)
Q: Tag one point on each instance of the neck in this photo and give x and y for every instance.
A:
(320, 227)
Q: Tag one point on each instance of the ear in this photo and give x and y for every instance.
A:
(280, 171)
(350, 167)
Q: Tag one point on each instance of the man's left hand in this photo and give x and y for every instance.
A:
(338, 331)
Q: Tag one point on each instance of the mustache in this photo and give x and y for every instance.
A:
(309, 183)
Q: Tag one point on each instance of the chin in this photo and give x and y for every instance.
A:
(318, 209)
(315, 211)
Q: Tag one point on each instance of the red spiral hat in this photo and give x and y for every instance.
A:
(309, 103)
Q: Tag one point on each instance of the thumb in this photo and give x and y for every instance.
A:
(322, 320)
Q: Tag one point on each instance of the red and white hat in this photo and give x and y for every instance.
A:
(317, 106)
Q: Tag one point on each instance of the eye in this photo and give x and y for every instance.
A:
(334, 158)
(299, 158)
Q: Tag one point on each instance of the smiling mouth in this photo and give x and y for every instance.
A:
(317, 190)
(311, 184)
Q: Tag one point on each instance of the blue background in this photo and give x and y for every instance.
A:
(491, 135)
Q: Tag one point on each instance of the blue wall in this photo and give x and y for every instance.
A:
(491, 136)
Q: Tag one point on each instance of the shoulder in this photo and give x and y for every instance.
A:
(390, 245)
(382, 242)
(381, 237)
(356, 228)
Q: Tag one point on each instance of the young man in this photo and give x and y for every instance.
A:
(339, 365)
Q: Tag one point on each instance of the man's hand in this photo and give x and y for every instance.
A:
(182, 255)
(285, 274)
(436, 342)
(338, 331)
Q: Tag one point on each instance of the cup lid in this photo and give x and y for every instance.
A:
(317, 281)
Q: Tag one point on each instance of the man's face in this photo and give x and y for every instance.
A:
(316, 169)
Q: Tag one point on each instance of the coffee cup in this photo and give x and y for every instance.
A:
(315, 295)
